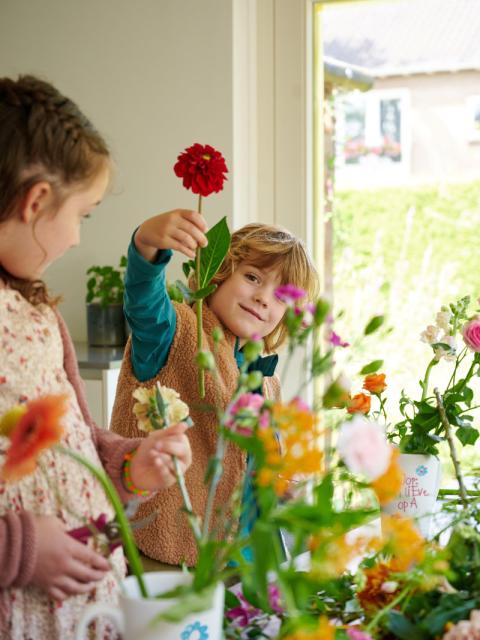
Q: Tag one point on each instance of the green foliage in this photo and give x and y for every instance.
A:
(106, 285)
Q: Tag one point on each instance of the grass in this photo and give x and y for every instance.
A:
(405, 253)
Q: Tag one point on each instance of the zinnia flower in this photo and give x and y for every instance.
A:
(202, 169)
(145, 408)
(373, 597)
(471, 334)
(388, 485)
(38, 428)
(359, 403)
(364, 448)
(375, 383)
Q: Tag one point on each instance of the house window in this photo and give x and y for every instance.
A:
(473, 118)
(372, 137)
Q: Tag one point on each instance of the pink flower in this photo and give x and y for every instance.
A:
(356, 634)
(244, 413)
(274, 599)
(300, 404)
(244, 613)
(471, 333)
(289, 293)
(364, 448)
(336, 341)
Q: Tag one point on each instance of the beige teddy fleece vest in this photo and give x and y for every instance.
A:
(168, 537)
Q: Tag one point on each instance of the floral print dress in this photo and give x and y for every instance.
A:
(31, 365)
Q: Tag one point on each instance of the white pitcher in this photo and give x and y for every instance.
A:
(134, 614)
(418, 496)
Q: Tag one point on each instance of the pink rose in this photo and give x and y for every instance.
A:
(364, 448)
(471, 333)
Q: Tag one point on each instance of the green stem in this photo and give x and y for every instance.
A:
(199, 305)
(192, 516)
(386, 609)
(125, 531)
(427, 378)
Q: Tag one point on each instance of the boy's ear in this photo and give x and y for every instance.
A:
(36, 200)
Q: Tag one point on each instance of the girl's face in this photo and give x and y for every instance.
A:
(246, 303)
(38, 240)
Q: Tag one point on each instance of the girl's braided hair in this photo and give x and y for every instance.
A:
(43, 136)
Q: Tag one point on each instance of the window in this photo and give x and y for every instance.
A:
(372, 137)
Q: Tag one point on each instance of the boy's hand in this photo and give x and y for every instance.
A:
(181, 230)
(152, 466)
(65, 567)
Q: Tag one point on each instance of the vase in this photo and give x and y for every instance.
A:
(418, 495)
(134, 616)
(105, 325)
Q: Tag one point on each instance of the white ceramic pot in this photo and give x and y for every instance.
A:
(134, 614)
(421, 482)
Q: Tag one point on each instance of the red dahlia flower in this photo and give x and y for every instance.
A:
(202, 168)
(37, 429)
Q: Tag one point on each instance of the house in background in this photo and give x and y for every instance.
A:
(420, 122)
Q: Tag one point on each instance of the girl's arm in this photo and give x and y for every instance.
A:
(149, 311)
(18, 549)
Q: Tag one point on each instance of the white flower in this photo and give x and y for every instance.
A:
(364, 448)
(430, 335)
(447, 354)
(176, 409)
(443, 320)
(389, 587)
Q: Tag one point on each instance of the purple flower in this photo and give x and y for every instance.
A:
(289, 293)
(336, 341)
(274, 599)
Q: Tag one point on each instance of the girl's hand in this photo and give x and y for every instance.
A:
(181, 230)
(64, 567)
(152, 466)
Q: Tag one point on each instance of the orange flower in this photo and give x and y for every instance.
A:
(331, 554)
(388, 485)
(375, 383)
(324, 631)
(359, 403)
(374, 596)
(403, 540)
(37, 429)
(300, 451)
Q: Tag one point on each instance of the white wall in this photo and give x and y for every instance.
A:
(154, 76)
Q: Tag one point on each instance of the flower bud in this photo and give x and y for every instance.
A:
(255, 379)
(217, 334)
(205, 360)
(253, 348)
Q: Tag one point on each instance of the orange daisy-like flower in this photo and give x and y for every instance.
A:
(403, 541)
(331, 554)
(375, 383)
(359, 404)
(300, 452)
(388, 485)
(324, 631)
(38, 428)
(374, 595)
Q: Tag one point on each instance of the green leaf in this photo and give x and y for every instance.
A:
(403, 628)
(187, 267)
(200, 294)
(213, 255)
(189, 602)
(186, 292)
(374, 324)
(467, 435)
(373, 366)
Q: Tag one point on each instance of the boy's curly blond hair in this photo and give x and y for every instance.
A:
(271, 247)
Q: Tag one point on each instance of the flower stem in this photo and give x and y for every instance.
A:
(192, 516)
(199, 305)
(386, 609)
(125, 531)
(451, 444)
(427, 377)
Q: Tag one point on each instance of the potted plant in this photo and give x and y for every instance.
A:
(105, 317)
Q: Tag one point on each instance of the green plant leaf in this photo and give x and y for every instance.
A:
(190, 602)
(187, 267)
(200, 294)
(467, 435)
(373, 366)
(186, 292)
(374, 324)
(213, 255)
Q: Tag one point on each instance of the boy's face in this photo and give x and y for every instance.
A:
(246, 303)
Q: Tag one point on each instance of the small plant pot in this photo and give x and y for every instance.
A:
(105, 325)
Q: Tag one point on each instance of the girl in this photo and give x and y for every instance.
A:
(164, 343)
(54, 170)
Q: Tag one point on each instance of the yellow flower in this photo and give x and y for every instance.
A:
(299, 451)
(10, 419)
(324, 631)
(331, 554)
(388, 485)
(176, 409)
(403, 541)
